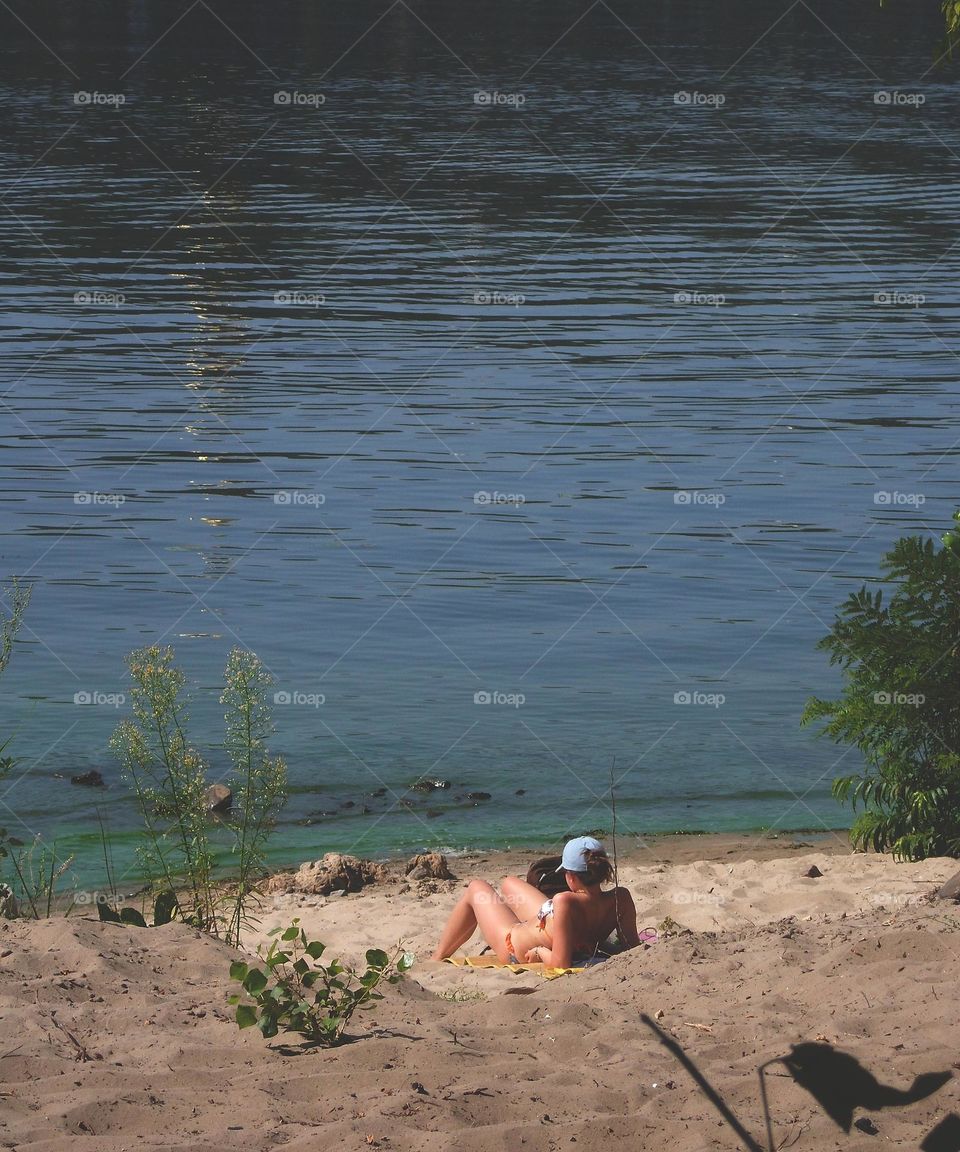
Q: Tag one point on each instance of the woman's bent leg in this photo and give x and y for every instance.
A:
(479, 906)
(522, 897)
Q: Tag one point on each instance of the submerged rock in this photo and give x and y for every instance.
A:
(91, 779)
(428, 785)
(334, 873)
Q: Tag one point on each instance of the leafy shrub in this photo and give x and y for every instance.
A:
(260, 788)
(901, 702)
(39, 872)
(170, 781)
(316, 1000)
(19, 596)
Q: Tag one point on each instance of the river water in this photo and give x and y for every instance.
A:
(526, 385)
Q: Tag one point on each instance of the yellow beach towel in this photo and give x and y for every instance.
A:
(492, 962)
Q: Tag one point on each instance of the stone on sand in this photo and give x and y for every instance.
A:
(334, 873)
(429, 866)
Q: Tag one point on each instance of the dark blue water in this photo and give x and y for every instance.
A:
(517, 352)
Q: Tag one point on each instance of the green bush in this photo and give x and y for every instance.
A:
(170, 780)
(900, 703)
(19, 596)
(314, 999)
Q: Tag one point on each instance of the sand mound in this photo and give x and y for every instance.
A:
(115, 1037)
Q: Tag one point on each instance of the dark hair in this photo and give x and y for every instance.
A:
(599, 868)
(546, 875)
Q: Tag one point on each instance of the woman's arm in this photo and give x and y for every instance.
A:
(559, 954)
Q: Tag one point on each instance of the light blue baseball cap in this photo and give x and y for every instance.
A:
(575, 853)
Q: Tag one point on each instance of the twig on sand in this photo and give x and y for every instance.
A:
(83, 1054)
(701, 1027)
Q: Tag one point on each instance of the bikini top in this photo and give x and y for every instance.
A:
(546, 909)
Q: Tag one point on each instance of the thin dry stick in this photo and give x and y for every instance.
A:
(616, 872)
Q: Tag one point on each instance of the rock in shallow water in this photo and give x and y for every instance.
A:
(91, 779)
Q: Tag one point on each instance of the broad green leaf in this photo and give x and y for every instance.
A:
(255, 981)
(246, 1015)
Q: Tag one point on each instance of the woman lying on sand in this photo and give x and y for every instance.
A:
(522, 927)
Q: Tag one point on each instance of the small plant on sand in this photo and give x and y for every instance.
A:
(19, 597)
(39, 871)
(170, 783)
(900, 703)
(260, 790)
(314, 999)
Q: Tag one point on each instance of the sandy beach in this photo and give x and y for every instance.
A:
(826, 995)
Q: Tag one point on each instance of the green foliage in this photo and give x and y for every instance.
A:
(951, 36)
(165, 908)
(19, 596)
(314, 999)
(19, 602)
(170, 782)
(950, 11)
(38, 872)
(901, 702)
(260, 790)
